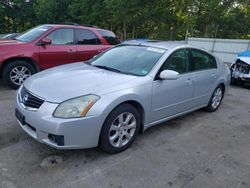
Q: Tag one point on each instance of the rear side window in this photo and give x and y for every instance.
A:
(62, 37)
(202, 60)
(109, 37)
(87, 37)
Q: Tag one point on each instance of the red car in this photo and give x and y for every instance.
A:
(47, 46)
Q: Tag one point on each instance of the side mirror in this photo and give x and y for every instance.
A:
(45, 41)
(169, 75)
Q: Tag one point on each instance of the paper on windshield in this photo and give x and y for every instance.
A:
(155, 50)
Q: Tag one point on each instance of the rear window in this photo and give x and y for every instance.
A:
(109, 37)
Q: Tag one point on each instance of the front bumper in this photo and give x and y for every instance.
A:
(237, 75)
(76, 132)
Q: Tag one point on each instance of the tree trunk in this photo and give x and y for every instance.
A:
(133, 31)
(124, 29)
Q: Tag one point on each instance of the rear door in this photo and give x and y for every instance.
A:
(206, 73)
(62, 50)
(88, 44)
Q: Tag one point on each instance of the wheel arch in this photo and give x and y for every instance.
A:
(132, 100)
(135, 103)
(223, 86)
(26, 59)
(138, 106)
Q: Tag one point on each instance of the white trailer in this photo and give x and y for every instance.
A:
(226, 49)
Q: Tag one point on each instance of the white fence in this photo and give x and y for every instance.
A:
(225, 49)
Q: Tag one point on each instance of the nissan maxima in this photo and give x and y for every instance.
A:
(108, 100)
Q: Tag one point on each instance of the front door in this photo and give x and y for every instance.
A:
(171, 97)
(62, 50)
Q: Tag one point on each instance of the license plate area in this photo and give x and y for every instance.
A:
(20, 117)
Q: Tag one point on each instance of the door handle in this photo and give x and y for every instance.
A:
(189, 81)
(71, 51)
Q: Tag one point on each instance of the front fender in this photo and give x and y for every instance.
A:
(108, 102)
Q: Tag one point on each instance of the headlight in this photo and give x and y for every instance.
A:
(76, 107)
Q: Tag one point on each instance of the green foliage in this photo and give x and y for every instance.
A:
(156, 19)
(51, 11)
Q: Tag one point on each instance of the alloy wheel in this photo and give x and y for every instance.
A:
(122, 129)
(217, 98)
(19, 74)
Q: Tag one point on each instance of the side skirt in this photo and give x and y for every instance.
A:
(145, 127)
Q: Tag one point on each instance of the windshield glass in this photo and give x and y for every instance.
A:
(6, 36)
(33, 34)
(128, 59)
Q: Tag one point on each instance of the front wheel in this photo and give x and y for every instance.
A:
(16, 72)
(215, 100)
(120, 129)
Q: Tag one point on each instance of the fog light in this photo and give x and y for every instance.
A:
(57, 139)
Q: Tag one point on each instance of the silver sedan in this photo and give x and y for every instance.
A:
(108, 100)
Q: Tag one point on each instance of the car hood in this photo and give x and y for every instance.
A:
(68, 81)
(245, 59)
(10, 42)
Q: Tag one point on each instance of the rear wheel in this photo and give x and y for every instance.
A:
(16, 72)
(120, 129)
(215, 100)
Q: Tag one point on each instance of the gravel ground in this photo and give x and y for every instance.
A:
(197, 150)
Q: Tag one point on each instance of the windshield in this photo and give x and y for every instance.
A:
(128, 59)
(33, 34)
(6, 36)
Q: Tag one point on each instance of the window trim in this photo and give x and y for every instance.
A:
(60, 44)
(76, 37)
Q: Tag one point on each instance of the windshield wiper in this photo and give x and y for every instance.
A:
(87, 62)
(107, 68)
(114, 70)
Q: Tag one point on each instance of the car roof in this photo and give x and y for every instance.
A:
(75, 26)
(157, 43)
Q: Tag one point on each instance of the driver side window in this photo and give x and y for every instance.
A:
(178, 61)
(62, 37)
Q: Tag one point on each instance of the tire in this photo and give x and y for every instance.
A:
(246, 85)
(233, 81)
(116, 136)
(16, 72)
(215, 100)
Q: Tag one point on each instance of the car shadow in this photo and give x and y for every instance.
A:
(170, 128)
(3, 87)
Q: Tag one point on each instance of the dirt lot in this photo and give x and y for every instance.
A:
(197, 150)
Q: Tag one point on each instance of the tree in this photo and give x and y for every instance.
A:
(51, 11)
(157, 19)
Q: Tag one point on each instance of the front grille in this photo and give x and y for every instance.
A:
(30, 100)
